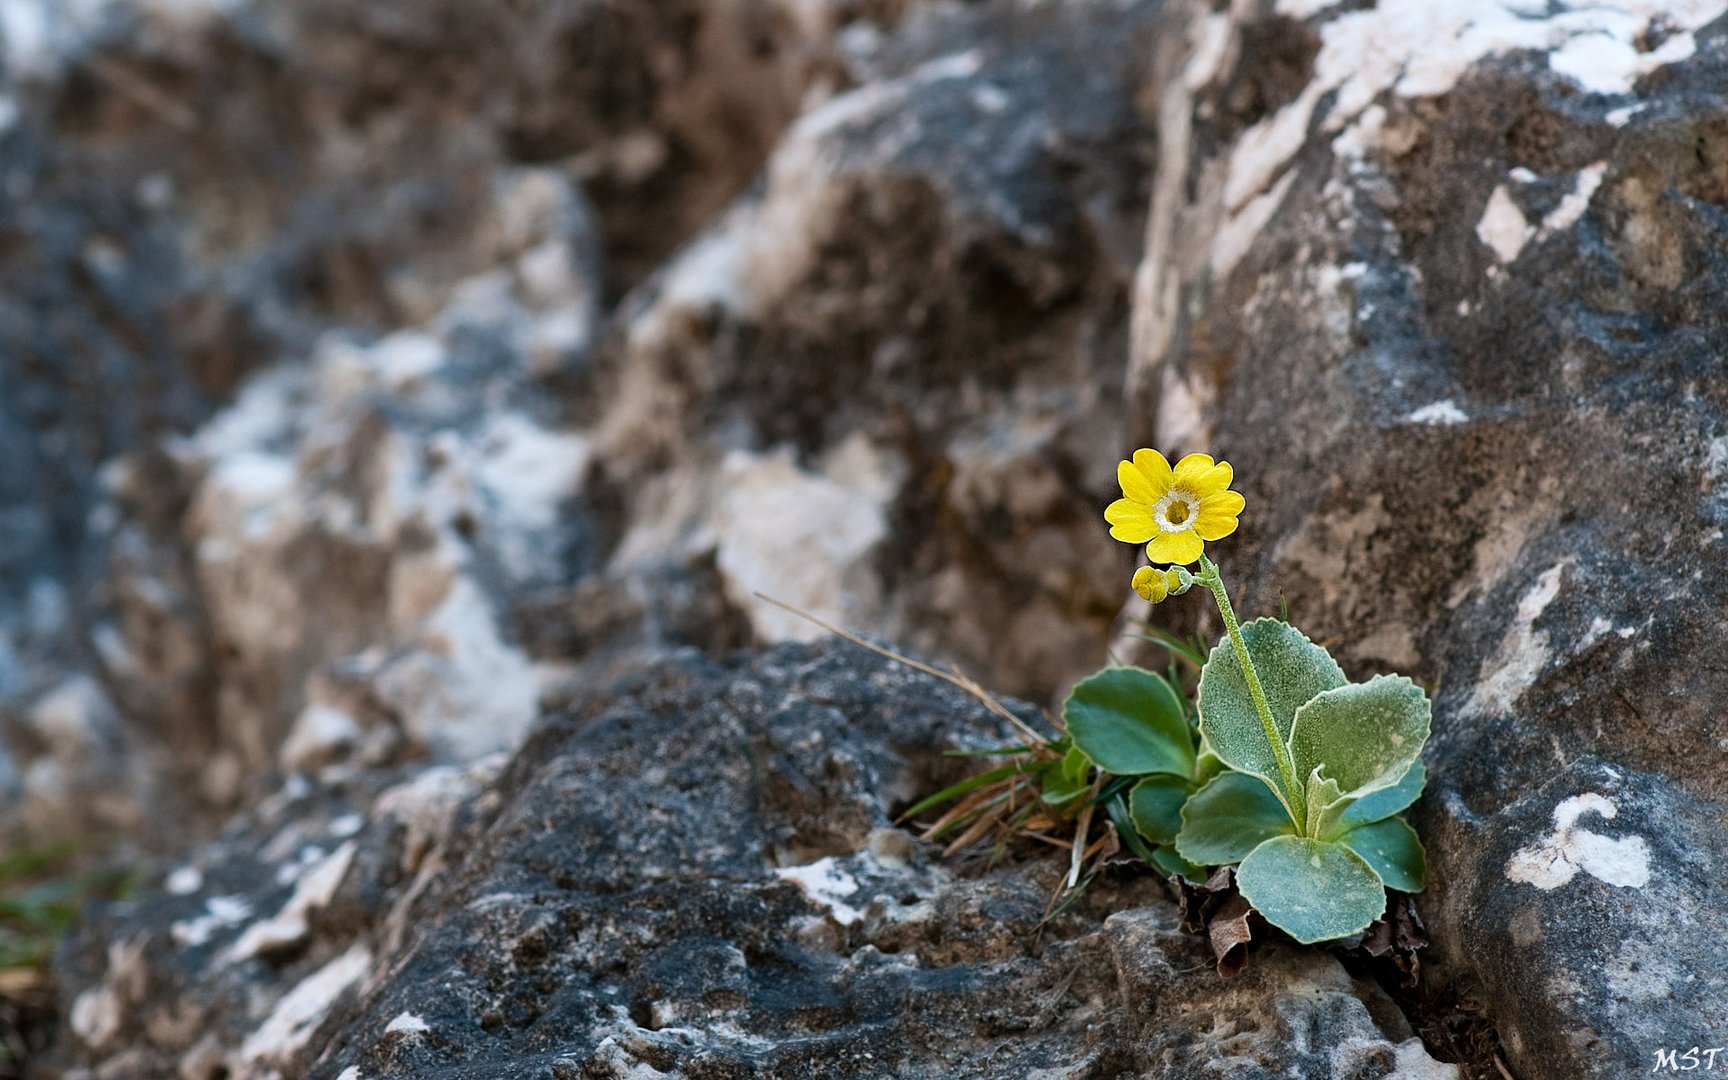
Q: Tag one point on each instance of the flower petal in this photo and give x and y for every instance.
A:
(1217, 517)
(1198, 474)
(1130, 522)
(1146, 478)
(1150, 584)
(1134, 483)
(1180, 548)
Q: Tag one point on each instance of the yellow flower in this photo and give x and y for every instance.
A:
(1154, 584)
(1177, 510)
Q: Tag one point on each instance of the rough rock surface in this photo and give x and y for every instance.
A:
(378, 378)
(695, 876)
(425, 473)
(1444, 283)
(197, 192)
(884, 386)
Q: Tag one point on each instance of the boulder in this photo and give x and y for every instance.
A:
(267, 206)
(883, 387)
(696, 874)
(1443, 283)
(383, 382)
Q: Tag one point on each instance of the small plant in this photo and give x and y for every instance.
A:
(41, 898)
(1277, 766)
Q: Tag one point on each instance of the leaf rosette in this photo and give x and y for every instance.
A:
(1316, 855)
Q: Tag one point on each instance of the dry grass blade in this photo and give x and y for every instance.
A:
(955, 677)
(19, 982)
(1053, 841)
(961, 811)
(1106, 844)
(1077, 856)
(978, 831)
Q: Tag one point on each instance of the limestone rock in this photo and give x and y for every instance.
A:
(378, 380)
(1442, 282)
(312, 205)
(695, 875)
(920, 314)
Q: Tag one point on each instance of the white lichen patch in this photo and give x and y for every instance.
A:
(799, 536)
(406, 1023)
(1640, 973)
(1419, 48)
(220, 913)
(1503, 226)
(1554, 860)
(184, 881)
(1523, 652)
(426, 804)
(469, 691)
(828, 885)
(95, 1016)
(314, 890)
(1438, 413)
(298, 1014)
(1572, 206)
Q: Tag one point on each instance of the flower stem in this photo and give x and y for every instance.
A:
(1210, 577)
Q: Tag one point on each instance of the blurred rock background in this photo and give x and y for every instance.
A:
(402, 401)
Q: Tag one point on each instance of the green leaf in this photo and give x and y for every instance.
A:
(1117, 809)
(1206, 765)
(1228, 818)
(1129, 721)
(1365, 735)
(1168, 862)
(1380, 804)
(1313, 890)
(1390, 846)
(1065, 780)
(1292, 670)
(1076, 767)
(1192, 651)
(1322, 796)
(1156, 804)
(970, 784)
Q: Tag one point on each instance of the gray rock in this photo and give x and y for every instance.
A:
(200, 193)
(1449, 301)
(1599, 874)
(883, 386)
(445, 367)
(695, 875)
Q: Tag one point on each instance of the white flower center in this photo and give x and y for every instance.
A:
(1176, 511)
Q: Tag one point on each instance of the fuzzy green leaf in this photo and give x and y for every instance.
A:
(1206, 765)
(1323, 797)
(1129, 721)
(1313, 890)
(1390, 846)
(1229, 817)
(1365, 735)
(1380, 804)
(1292, 670)
(1156, 805)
